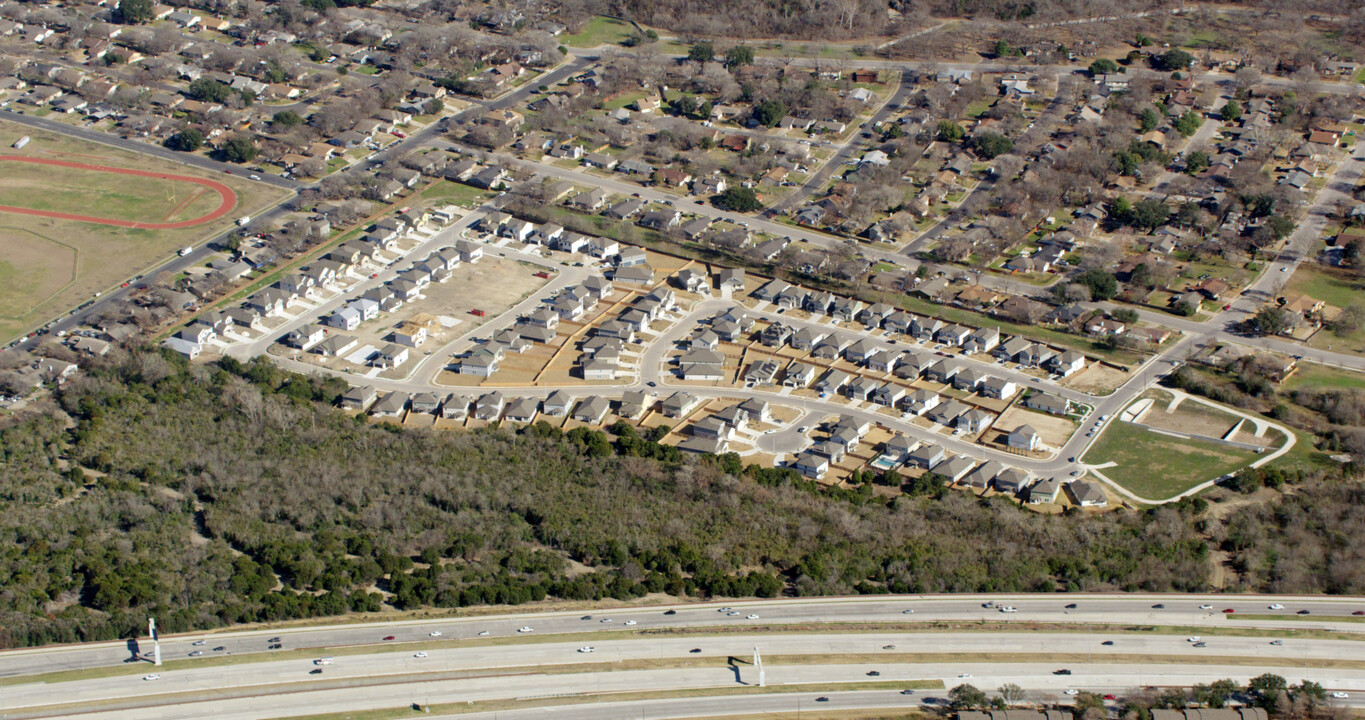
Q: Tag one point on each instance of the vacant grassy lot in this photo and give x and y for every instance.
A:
(1156, 466)
(1331, 286)
(599, 31)
(1310, 375)
(50, 265)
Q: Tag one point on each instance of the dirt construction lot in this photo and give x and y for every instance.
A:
(52, 264)
(1188, 417)
(1052, 429)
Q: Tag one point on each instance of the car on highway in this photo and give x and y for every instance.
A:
(586, 649)
(907, 691)
(1301, 612)
(1159, 606)
(1107, 642)
(1201, 644)
(1063, 671)
(586, 617)
(874, 673)
(822, 698)
(670, 612)
(1205, 607)
(275, 646)
(153, 676)
(965, 675)
(1009, 609)
(911, 611)
(732, 613)
(1339, 695)
(604, 620)
(388, 637)
(220, 648)
(751, 616)
(630, 622)
(1359, 612)
(695, 650)
(419, 655)
(198, 642)
(482, 633)
(274, 639)
(888, 647)
(1228, 611)
(1111, 696)
(434, 633)
(522, 629)
(323, 661)
(1071, 606)
(196, 653)
(1071, 692)
(1193, 638)
(1276, 606)
(1276, 642)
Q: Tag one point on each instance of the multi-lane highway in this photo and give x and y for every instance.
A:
(828, 647)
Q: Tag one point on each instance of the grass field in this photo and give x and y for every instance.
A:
(1310, 375)
(599, 31)
(91, 192)
(1157, 466)
(1332, 287)
(50, 264)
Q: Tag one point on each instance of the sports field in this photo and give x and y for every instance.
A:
(79, 217)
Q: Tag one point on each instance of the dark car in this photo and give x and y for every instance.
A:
(586, 617)
(907, 692)
(388, 637)
(1359, 612)
(873, 673)
(670, 612)
(274, 639)
(695, 650)
(1229, 611)
(315, 671)
(1107, 642)
(822, 698)
(220, 648)
(1303, 612)
(1063, 671)
(1159, 606)
(275, 646)
(1071, 606)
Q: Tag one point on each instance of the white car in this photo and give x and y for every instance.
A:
(1277, 606)
(1340, 695)
(752, 616)
(434, 633)
(1073, 692)
(1192, 638)
(965, 675)
(483, 632)
(586, 649)
(1008, 609)
(630, 622)
(524, 629)
(153, 676)
(728, 609)
(197, 642)
(732, 613)
(908, 612)
(419, 655)
(605, 620)
(1205, 607)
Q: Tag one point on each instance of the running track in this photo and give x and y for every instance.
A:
(228, 196)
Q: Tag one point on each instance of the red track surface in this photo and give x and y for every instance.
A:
(228, 196)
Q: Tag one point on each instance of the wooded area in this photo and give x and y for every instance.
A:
(232, 493)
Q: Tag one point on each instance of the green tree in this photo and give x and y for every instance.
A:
(1280, 226)
(1149, 119)
(950, 131)
(287, 118)
(1196, 162)
(737, 199)
(1002, 48)
(1126, 315)
(1102, 284)
(1270, 320)
(209, 90)
(1174, 59)
(434, 106)
(1267, 689)
(739, 55)
(187, 140)
(134, 12)
(991, 144)
(1087, 701)
(1121, 209)
(1150, 213)
(240, 149)
(1188, 123)
(1186, 308)
(1103, 66)
(770, 112)
(703, 51)
(967, 697)
(1216, 693)
(1231, 112)
(1312, 694)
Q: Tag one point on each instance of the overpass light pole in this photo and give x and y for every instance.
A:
(758, 663)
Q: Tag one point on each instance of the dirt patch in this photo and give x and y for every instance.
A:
(1190, 417)
(1053, 430)
(1096, 379)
